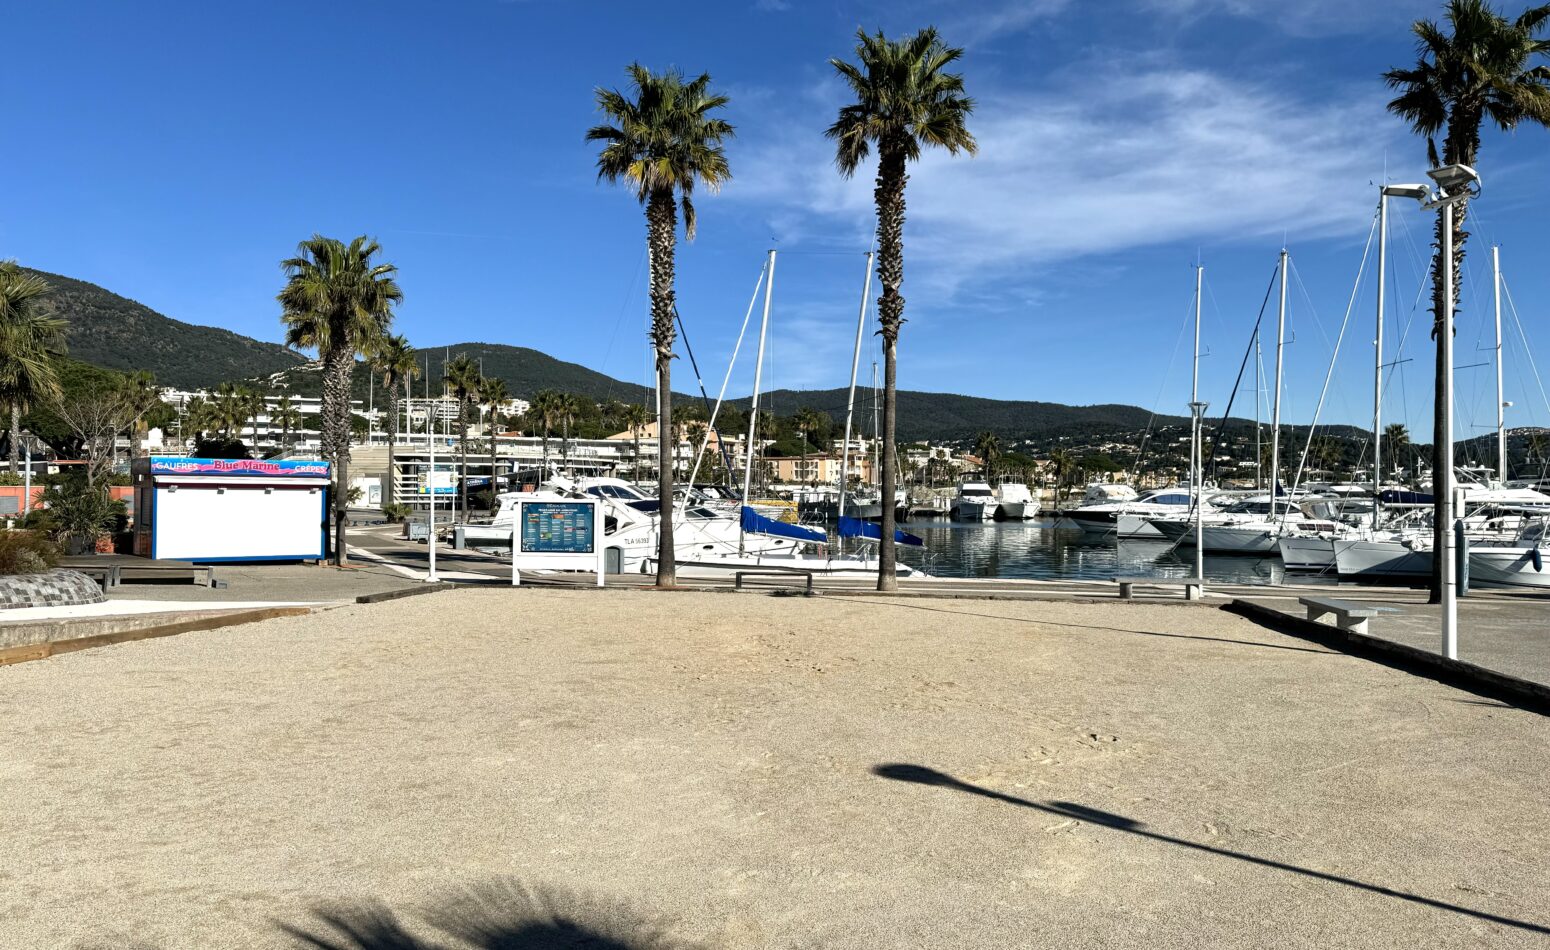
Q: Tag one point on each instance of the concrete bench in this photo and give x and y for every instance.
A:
(737, 579)
(1348, 616)
(1194, 587)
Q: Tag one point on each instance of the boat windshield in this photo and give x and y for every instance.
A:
(976, 492)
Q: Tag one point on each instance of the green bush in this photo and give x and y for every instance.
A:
(11, 480)
(26, 552)
(394, 512)
(80, 513)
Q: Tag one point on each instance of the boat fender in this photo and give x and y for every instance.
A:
(1533, 555)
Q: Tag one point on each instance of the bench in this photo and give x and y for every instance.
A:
(108, 575)
(737, 580)
(1348, 616)
(1194, 587)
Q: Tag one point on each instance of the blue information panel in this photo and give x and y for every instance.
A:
(557, 527)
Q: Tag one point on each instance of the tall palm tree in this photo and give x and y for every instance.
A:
(1062, 465)
(338, 301)
(287, 417)
(905, 101)
(141, 394)
(545, 410)
(661, 140)
(1487, 68)
(463, 381)
(494, 395)
(634, 417)
(568, 407)
(398, 364)
(806, 420)
(988, 447)
(1396, 435)
(31, 335)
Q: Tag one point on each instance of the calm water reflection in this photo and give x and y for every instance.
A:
(1036, 549)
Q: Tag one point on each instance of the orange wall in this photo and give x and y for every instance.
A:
(123, 492)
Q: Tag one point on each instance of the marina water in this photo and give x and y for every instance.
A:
(1038, 550)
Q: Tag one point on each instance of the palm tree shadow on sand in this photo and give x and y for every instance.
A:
(504, 914)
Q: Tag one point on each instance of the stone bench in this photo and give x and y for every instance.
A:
(1348, 616)
(737, 580)
(1194, 587)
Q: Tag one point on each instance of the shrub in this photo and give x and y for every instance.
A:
(395, 512)
(26, 552)
(81, 513)
(11, 480)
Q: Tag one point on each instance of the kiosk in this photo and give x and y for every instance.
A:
(230, 509)
(558, 536)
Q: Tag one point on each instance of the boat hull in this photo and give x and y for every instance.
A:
(1509, 567)
(1311, 553)
(1220, 538)
(974, 511)
(1381, 559)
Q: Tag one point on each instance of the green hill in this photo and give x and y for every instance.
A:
(119, 333)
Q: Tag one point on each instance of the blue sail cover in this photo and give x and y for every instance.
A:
(856, 528)
(1393, 497)
(755, 523)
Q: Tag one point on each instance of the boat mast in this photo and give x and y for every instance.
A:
(1259, 393)
(1199, 475)
(850, 404)
(1275, 405)
(1501, 406)
(753, 406)
(1377, 366)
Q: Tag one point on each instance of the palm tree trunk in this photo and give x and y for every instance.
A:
(889, 195)
(493, 411)
(635, 475)
(16, 438)
(337, 366)
(661, 232)
(462, 455)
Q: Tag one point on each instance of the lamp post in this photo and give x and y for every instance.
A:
(1455, 183)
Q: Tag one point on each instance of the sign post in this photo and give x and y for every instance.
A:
(557, 535)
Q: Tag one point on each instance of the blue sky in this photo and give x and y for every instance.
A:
(175, 152)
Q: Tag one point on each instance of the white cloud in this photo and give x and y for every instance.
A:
(1304, 17)
(1090, 167)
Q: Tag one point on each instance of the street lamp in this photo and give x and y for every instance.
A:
(1197, 410)
(1454, 183)
(1418, 193)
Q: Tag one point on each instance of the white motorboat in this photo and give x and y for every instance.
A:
(1016, 502)
(1127, 518)
(975, 501)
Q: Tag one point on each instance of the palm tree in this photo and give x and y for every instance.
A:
(545, 410)
(1488, 68)
(463, 382)
(142, 394)
(494, 394)
(398, 364)
(339, 302)
(568, 407)
(1062, 465)
(905, 101)
(806, 420)
(31, 334)
(661, 141)
(988, 447)
(634, 417)
(288, 417)
(1397, 436)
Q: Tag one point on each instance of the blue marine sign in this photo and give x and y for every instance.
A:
(266, 468)
(558, 527)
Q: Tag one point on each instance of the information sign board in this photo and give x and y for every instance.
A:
(558, 527)
(557, 535)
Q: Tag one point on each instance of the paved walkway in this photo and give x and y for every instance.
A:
(699, 769)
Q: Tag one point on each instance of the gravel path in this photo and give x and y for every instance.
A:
(746, 771)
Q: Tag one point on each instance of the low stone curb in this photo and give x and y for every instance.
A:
(1522, 693)
(128, 629)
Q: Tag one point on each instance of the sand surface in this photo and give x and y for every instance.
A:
(748, 771)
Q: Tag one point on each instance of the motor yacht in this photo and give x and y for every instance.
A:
(975, 501)
(1016, 502)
